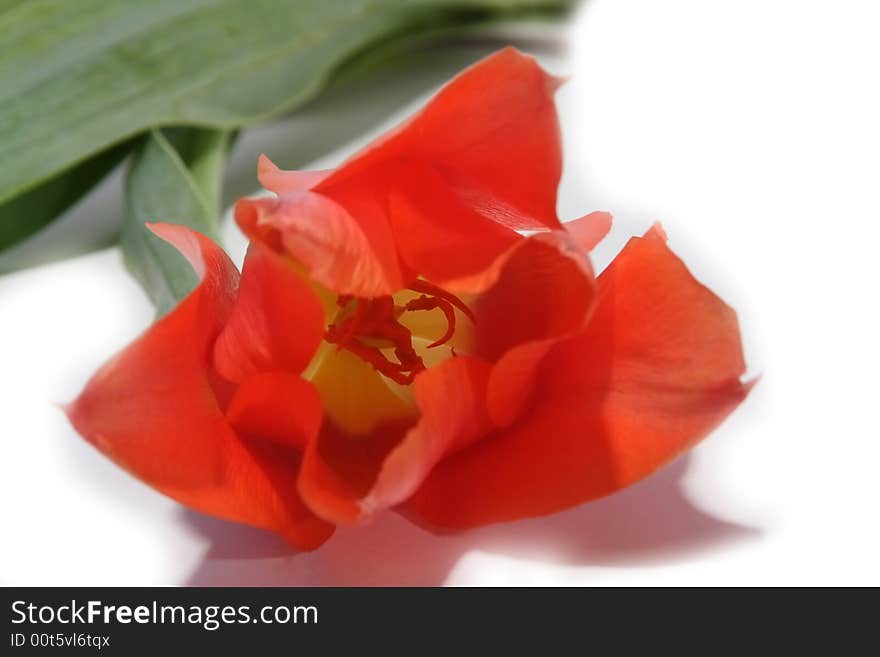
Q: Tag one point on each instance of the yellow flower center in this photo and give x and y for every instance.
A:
(374, 348)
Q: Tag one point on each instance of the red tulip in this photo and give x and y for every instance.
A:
(394, 341)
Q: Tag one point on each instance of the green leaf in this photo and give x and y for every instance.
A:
(173, 186)
(78, 77)
(27, 213)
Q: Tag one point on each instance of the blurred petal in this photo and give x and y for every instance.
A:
(589, 230)
(346, 478)
(280, 181)
(152, 410)
(277, 322)
(658, 367)
(344, 254)
(138, 404)
(451, 398)
(513, 381)
(277, 407)
(440, 197)
(491, 133)
(339, 469)
(439, 235)
(545, 289)
(276, 414)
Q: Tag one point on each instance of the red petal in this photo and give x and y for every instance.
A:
(513, 381)
(589, 230)
(344, 254)
(451, 398)
(438, 235)
(448, 188)
(338, 470)
(279, 181)
(277, 407)
(492, 133)
(545, 290)
(658, 367)
(152, 410)
(277, 321)
(344, 478)
(277, 415)
(269, 496)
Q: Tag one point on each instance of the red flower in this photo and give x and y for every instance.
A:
(395, 341)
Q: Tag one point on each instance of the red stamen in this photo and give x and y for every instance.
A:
(377, 318)
(428, 303)
(351, 325)
(432, 290)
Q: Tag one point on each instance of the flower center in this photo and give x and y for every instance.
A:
(366, 327)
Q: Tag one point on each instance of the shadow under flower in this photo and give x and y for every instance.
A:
(651, 522)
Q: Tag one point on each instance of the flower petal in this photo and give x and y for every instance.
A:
(448, 188)
(545, 289)
(277, 414)
(149, 388)
(276, 323)
(451, 398)
(345, 479)
(280, 181)
(277, 407)
(338, 469)
(589, 230)
(513, 381)
(344, 254)
(437, 233)
(657, 368)
(152, 409)
(492, 133)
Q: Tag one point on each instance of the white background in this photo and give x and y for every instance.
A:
(751, 128)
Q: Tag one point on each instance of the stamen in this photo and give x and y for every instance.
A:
(427, 288)
(377, 319)
(352, 324)
(428, 303)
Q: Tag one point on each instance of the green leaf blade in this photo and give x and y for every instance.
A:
(27, 213)
(161, 187)
(80, 77)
